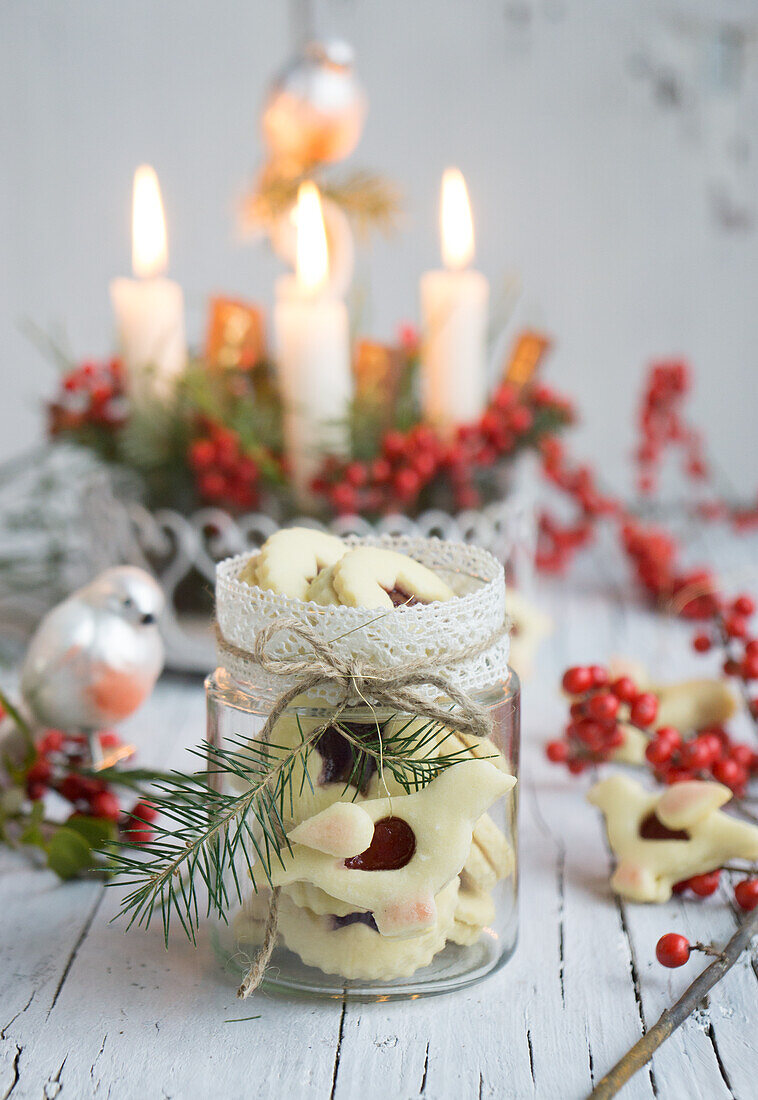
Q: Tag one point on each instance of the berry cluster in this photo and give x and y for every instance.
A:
(600, 711)
(730, 628)
(410, 462)
(56, 767)
(91, 394)
(225, 474)
(661, 425)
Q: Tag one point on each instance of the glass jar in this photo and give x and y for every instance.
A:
(477, 919)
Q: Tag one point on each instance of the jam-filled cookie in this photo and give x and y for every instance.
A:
(420, 842)
(372, 577)
(350, 944)
(662, 839)
(290, 559)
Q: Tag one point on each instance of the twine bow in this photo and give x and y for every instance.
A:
(388, 686)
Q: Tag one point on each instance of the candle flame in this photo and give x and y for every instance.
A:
(457, 224)
(312, 252)
(149, 247)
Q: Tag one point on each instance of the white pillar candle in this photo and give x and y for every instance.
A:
(149, 309)
(454, 308)
(312, 352)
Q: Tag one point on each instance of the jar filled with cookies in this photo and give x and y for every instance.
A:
(364, 695)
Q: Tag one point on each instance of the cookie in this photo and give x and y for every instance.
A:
(420, 842)
(321, 589)
(490, 857)
(290, 559)
(353, 948)
(529, 626)
(375, 578)
(662, 839)
(474, 911)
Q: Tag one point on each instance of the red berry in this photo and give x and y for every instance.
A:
(624, 689)
(701, 643)
(356, 474)
(381, 470)
(109, 739)
(73, 788)
(736, 626)
(53, 741)
(576, 767)
(202, 454)
(644, 709)
(39, 772)
(672, 950)
(697, 755)
(344, 497)
(577, 680)
(705, 885)
(659, 751)
(603, 707)
(599, 676)
(406, 483)
(746, 893)
(749, 667)
(730, 773)
(145, 810)
(393, 445)
(136, 831)
(742, 755)
(557, 752)
(35, 790)
(744, 605)
(105, 804)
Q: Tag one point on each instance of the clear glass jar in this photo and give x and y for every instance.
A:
(477, 918)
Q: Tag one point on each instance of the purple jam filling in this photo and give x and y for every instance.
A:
(354, 918)
(338, 760)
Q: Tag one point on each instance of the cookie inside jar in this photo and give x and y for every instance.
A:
(413, 725)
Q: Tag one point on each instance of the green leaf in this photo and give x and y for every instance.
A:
(68, 853)
(97, 831)
(32, 833)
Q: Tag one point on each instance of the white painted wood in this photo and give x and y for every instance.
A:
(86, 1011)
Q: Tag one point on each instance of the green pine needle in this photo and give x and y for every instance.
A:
(206, 838)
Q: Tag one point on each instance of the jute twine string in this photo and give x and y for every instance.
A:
(385, 686)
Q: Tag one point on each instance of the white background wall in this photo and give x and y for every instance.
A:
(605, 166)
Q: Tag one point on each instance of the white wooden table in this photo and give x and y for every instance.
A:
(86, 1011)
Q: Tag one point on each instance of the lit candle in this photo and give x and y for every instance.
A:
(454, 305)
(313, 350)
(149, 309)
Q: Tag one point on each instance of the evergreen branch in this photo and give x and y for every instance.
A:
(205, 836)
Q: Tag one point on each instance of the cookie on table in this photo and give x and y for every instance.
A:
(661, 839)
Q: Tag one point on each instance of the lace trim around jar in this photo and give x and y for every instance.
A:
(437, 632)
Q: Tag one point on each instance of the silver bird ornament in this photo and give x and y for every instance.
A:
(95, 658)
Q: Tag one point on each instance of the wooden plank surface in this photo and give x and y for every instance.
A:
(88, 1012)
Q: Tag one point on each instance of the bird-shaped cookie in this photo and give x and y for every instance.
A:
(662, 839)
(419, 842)
(94, 658)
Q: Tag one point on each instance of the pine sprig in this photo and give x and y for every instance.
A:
(206, 837)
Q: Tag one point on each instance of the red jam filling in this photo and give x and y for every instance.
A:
(652, 828)
(391, 847)
(400, 598)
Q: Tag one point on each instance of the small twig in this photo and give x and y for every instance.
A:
(643, 1050)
